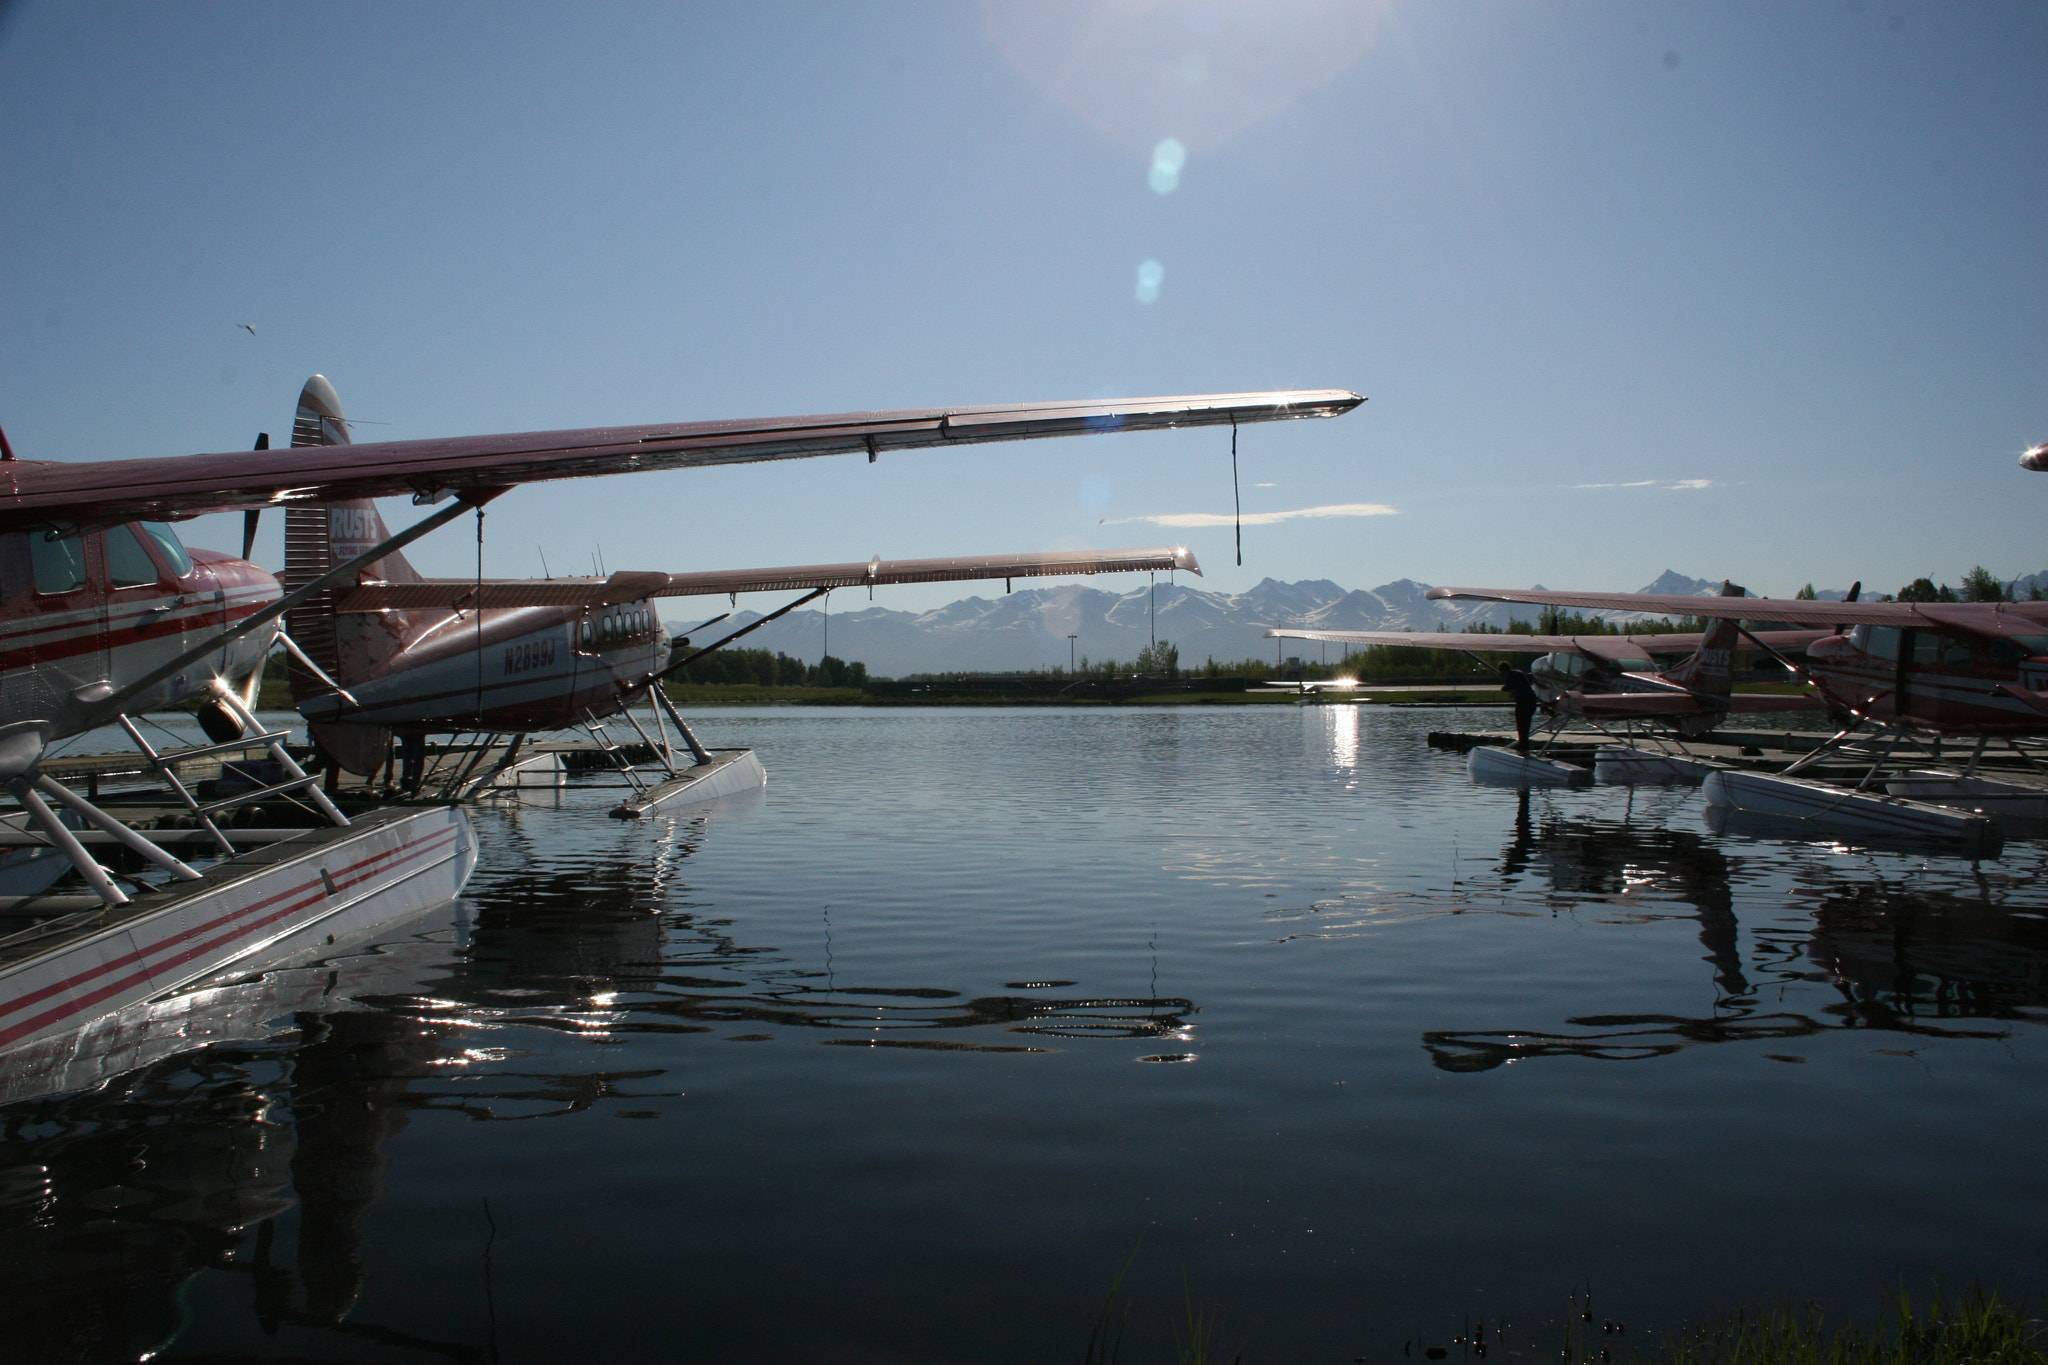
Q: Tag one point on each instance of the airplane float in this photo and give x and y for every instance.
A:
(392, 653)
(103, 614)
(1889, 673)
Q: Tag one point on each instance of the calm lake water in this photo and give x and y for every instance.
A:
(904, 1059)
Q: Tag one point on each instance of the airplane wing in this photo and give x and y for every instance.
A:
(448, 594)
(34, 492)
(1994, 618)
(1486, 642)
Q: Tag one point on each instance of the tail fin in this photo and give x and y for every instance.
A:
(1709, 669)
(320, 536)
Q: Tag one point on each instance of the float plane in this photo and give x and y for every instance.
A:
(392, 653)
(1614, 677)
(1889, 673)
(103, 613)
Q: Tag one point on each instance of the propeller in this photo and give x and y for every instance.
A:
(250, 517)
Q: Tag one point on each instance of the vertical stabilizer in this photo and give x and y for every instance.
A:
(1710, 669)
(316, 538)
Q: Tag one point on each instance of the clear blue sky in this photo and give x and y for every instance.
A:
(1796, 251)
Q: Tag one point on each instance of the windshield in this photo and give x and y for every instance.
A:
(167, 541)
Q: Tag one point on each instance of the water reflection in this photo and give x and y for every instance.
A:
(1894, 957)
(262, 1154)
(113, 1199)
(1344, 737)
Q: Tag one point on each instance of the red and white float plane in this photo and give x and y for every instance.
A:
(391, 652)
(1949, 668)
(1899, 670)
(103, 613)
(1613, 677)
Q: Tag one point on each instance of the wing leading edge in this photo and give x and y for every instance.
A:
(1994, 618)
(1600, 646)
(34, 491)
(464, 594)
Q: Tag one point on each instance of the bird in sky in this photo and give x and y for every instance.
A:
(247, 328)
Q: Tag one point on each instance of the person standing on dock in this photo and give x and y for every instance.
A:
(1516, 684)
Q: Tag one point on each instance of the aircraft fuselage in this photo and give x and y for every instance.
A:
(516, 670)
(81, 614)
(1948, 682)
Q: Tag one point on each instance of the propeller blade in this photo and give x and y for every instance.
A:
(1855, 589)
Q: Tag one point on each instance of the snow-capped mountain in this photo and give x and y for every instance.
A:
(1029, 628)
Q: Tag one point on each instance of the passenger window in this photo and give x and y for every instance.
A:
(1926, 647)
(59, 563)
(1882, 642)
(1956, 654)
(168, 545)
(2004, 651)
(128, 564)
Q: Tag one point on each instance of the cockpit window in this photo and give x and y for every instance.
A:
(59, 562)
(128, 564)
(167, 544)
(1879, 642)
(2010, 649)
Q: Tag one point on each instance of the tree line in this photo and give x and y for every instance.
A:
(772, 668)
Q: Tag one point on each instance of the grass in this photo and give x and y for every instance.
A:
(1973, 1328)
(1976, 1327)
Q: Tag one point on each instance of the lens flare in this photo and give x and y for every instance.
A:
(1150, 275)
(1206, 69)
(1167, 159)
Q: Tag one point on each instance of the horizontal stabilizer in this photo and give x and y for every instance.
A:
(452, 594)
(189, 485)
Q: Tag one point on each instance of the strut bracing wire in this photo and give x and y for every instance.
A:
(1236, 502)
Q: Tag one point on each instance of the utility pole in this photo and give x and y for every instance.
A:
(1070, 654)
(1155, 610)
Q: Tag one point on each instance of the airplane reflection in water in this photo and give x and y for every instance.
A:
(113, 1199)
(676, 973)
(1899, 960)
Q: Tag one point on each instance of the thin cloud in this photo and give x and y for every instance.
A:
(1338, 509)
(1668, 485)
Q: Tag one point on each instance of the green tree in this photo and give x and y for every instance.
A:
(1806, 594)
(1162, 657)
(1980, 585)
(1923, 590)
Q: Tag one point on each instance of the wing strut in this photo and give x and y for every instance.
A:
(1236, 502)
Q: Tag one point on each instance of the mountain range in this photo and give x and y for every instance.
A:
(1029, 628)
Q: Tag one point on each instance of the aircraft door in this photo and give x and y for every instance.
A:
(66, 616)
